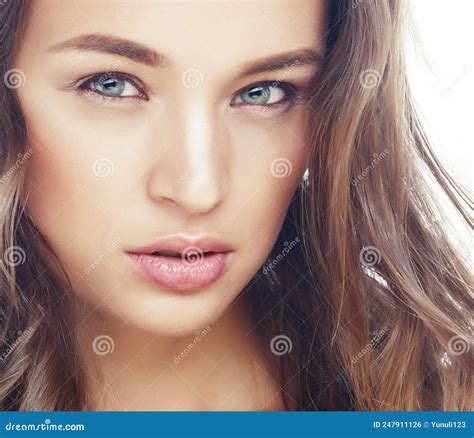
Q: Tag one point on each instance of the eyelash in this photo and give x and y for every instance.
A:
(83, 85)
(292, 92)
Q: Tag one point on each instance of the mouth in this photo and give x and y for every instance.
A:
(181, 264)
(184, 255)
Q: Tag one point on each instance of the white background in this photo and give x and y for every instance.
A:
(441, 73)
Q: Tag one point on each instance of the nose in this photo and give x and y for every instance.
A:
(191, 168)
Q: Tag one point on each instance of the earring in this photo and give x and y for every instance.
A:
(305, 180)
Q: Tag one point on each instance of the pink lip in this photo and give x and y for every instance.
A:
(201, 262)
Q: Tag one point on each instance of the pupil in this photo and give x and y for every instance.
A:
(259, 94)
(110, 83)
(110, 86)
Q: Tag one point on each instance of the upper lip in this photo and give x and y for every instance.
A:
(181, 244)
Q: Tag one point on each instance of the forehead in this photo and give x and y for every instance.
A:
(204, 34)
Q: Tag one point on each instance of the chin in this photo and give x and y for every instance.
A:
(164, 313)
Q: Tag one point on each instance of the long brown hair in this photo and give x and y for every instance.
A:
(370, 300)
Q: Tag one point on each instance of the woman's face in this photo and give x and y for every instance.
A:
(153, 119)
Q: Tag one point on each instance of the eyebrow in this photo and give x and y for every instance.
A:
(142, 54)
(97, 42)
(288, 59)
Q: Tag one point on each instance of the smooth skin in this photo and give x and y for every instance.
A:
(179, 142)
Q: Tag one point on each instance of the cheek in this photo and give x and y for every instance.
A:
(60, 207)
(268, 178)
(271, 160)
(69, 202)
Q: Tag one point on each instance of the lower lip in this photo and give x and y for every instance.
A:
(181, 275)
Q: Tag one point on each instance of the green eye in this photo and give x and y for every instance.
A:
(266, 94)
(256, 95)
(111, 85)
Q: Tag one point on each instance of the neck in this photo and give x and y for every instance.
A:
(220, 367)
